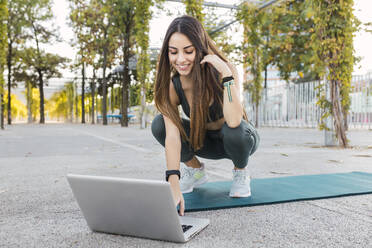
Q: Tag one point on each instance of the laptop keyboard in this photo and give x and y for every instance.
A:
(185, 227)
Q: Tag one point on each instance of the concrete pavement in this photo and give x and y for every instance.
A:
(38, 208)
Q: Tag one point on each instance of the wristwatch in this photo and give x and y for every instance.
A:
(168, 173)
(227, 79)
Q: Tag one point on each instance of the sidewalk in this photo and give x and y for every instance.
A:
(38, 208)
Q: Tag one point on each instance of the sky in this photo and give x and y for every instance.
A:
(160, 21)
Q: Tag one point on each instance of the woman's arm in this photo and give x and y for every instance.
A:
(172, 145)
(232, 111)
(173, 151)
(172, 137)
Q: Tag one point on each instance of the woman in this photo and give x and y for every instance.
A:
(194, 74)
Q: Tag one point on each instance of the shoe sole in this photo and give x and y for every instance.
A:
(240, 196)
(205, 179)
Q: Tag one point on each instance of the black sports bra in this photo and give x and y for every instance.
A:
(215, 110)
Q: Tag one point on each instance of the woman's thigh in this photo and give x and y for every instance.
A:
(213, 146)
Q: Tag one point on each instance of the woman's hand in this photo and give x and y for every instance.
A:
(220, 65)
(177, 194)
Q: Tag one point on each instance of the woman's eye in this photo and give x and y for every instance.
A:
(185, 52)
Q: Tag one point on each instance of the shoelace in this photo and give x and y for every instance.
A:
(185, 171)
(240, 177)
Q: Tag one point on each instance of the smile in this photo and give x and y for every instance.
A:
(183, 67)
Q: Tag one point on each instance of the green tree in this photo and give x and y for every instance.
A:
(82, 20)
(38, 14)
(277, 36)
(290, 26)
(252, 47)
(40, 65)
(22, 74)
(332, 41)
(222, 38)
(125, 24)
(83, 42)
(19, 110)
(100, 21)
(142, 19)
(33, 103)
(16, 36)
(93, 95)
(57, 105)
(79, 67)
(3, 45)
(194, 8)
(70, 93)
(62, 103)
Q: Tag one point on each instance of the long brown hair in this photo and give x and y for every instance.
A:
(206, 80)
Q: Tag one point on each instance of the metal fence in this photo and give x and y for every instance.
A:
(294, 105)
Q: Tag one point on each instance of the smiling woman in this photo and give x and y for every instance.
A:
(181, 53)
(193, 73)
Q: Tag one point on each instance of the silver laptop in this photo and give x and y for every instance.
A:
(133, 207)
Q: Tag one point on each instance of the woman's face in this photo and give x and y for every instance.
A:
(181, 53)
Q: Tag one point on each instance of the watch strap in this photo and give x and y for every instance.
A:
(227, 79)
(168, 173)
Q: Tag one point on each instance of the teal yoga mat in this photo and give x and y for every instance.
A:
(215, 195)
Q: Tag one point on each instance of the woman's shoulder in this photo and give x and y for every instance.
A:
(173, 96)
(175, 79)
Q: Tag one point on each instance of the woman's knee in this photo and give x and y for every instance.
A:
(240, 136)
(158, 127)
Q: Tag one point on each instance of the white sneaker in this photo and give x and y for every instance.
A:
(192, 177)
(241, 185)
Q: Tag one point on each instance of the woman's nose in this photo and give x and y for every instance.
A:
(180, 57)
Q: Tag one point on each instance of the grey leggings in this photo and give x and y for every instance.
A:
(236, 144)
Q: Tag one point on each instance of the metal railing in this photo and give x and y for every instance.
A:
(294, 105)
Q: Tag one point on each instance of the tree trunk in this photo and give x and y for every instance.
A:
(126, 80)
(71, 101)
(143, 107)
(1, 110)
(83, 95)
(265, 98)
(125, 100)
(97, 110)
(104, 88)
(9, 58)
(76, 97)
(256, 124)
(256, 91)
(337, 113)
(41, 83)
(41, 90)
(29, 102)
(346, 126)
(93, 92)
